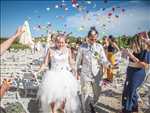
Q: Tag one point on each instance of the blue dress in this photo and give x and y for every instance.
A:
(134, 79)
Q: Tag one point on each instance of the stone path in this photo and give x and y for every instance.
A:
(18, 64)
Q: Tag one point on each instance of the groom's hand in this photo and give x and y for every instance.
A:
(34, 75)
(78, 76)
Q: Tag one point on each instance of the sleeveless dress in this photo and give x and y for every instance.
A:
(59, 84)
(111, 59)
(134, 80)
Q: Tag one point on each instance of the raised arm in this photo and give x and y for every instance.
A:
(139, 63)
(115, 46)
(131, 56)
(6, 44)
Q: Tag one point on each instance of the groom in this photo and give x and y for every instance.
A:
(89, 58)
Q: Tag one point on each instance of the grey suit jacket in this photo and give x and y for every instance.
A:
(89, 59)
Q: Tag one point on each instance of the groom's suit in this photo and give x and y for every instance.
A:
(89, 59)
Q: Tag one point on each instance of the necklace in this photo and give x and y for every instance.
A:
(60, 52)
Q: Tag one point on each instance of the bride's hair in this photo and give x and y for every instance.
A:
(59, 36)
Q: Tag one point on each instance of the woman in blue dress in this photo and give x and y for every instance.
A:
(138, 63)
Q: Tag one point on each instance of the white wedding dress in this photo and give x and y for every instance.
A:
(59, 84)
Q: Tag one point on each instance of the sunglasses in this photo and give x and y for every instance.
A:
(93, 39)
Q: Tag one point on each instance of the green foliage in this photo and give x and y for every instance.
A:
(2, 40)
(42, 39)
(122, 41)
(15, 108)
(19, 46)
(15, 45)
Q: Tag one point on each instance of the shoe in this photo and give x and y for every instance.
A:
(92, 109)
(135, 109)
(125, 111)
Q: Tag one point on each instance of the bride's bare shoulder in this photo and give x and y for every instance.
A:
(51, 50)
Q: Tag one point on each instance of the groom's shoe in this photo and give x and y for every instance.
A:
(92, 108)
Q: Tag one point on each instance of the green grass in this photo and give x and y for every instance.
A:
(15, 108)
(18, 46)
(122, 41)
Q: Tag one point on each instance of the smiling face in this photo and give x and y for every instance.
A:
(93, 37)
(105, 40)
(60, 42)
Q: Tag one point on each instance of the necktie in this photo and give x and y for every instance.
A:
(91, 48)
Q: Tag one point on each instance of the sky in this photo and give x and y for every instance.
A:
(110, 17)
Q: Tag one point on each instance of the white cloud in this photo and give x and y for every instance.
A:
(133, 20)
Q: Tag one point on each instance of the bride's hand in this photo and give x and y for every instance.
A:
(34, 75)
(78, 76)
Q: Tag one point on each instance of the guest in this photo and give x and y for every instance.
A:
(4, 87)
(135, 75)
(105, 46)
(6, 44)
(112, 46)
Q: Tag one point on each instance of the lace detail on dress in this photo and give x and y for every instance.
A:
(59, 61)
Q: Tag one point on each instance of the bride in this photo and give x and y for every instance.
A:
(58, 90)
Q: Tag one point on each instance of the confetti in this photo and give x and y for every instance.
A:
(47, 8)
(113, 9)
(49, 25)
(66, 9)
(60, 17)
(88, 2)
(39, 26)
(103, 9)
(109, 14)
(94, 6)
(117, 16)
(74, 1)
(56, 6)
(81, 28)
(73, 5)
(123, 10)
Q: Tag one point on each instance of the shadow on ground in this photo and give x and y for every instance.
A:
(34, 106)
(101, 108)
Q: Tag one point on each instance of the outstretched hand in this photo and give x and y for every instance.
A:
(143, 64)
(19, 31)
(34, 75)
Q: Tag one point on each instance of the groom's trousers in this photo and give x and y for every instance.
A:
(90, 91)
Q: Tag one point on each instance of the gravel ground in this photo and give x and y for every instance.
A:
(21, 62)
